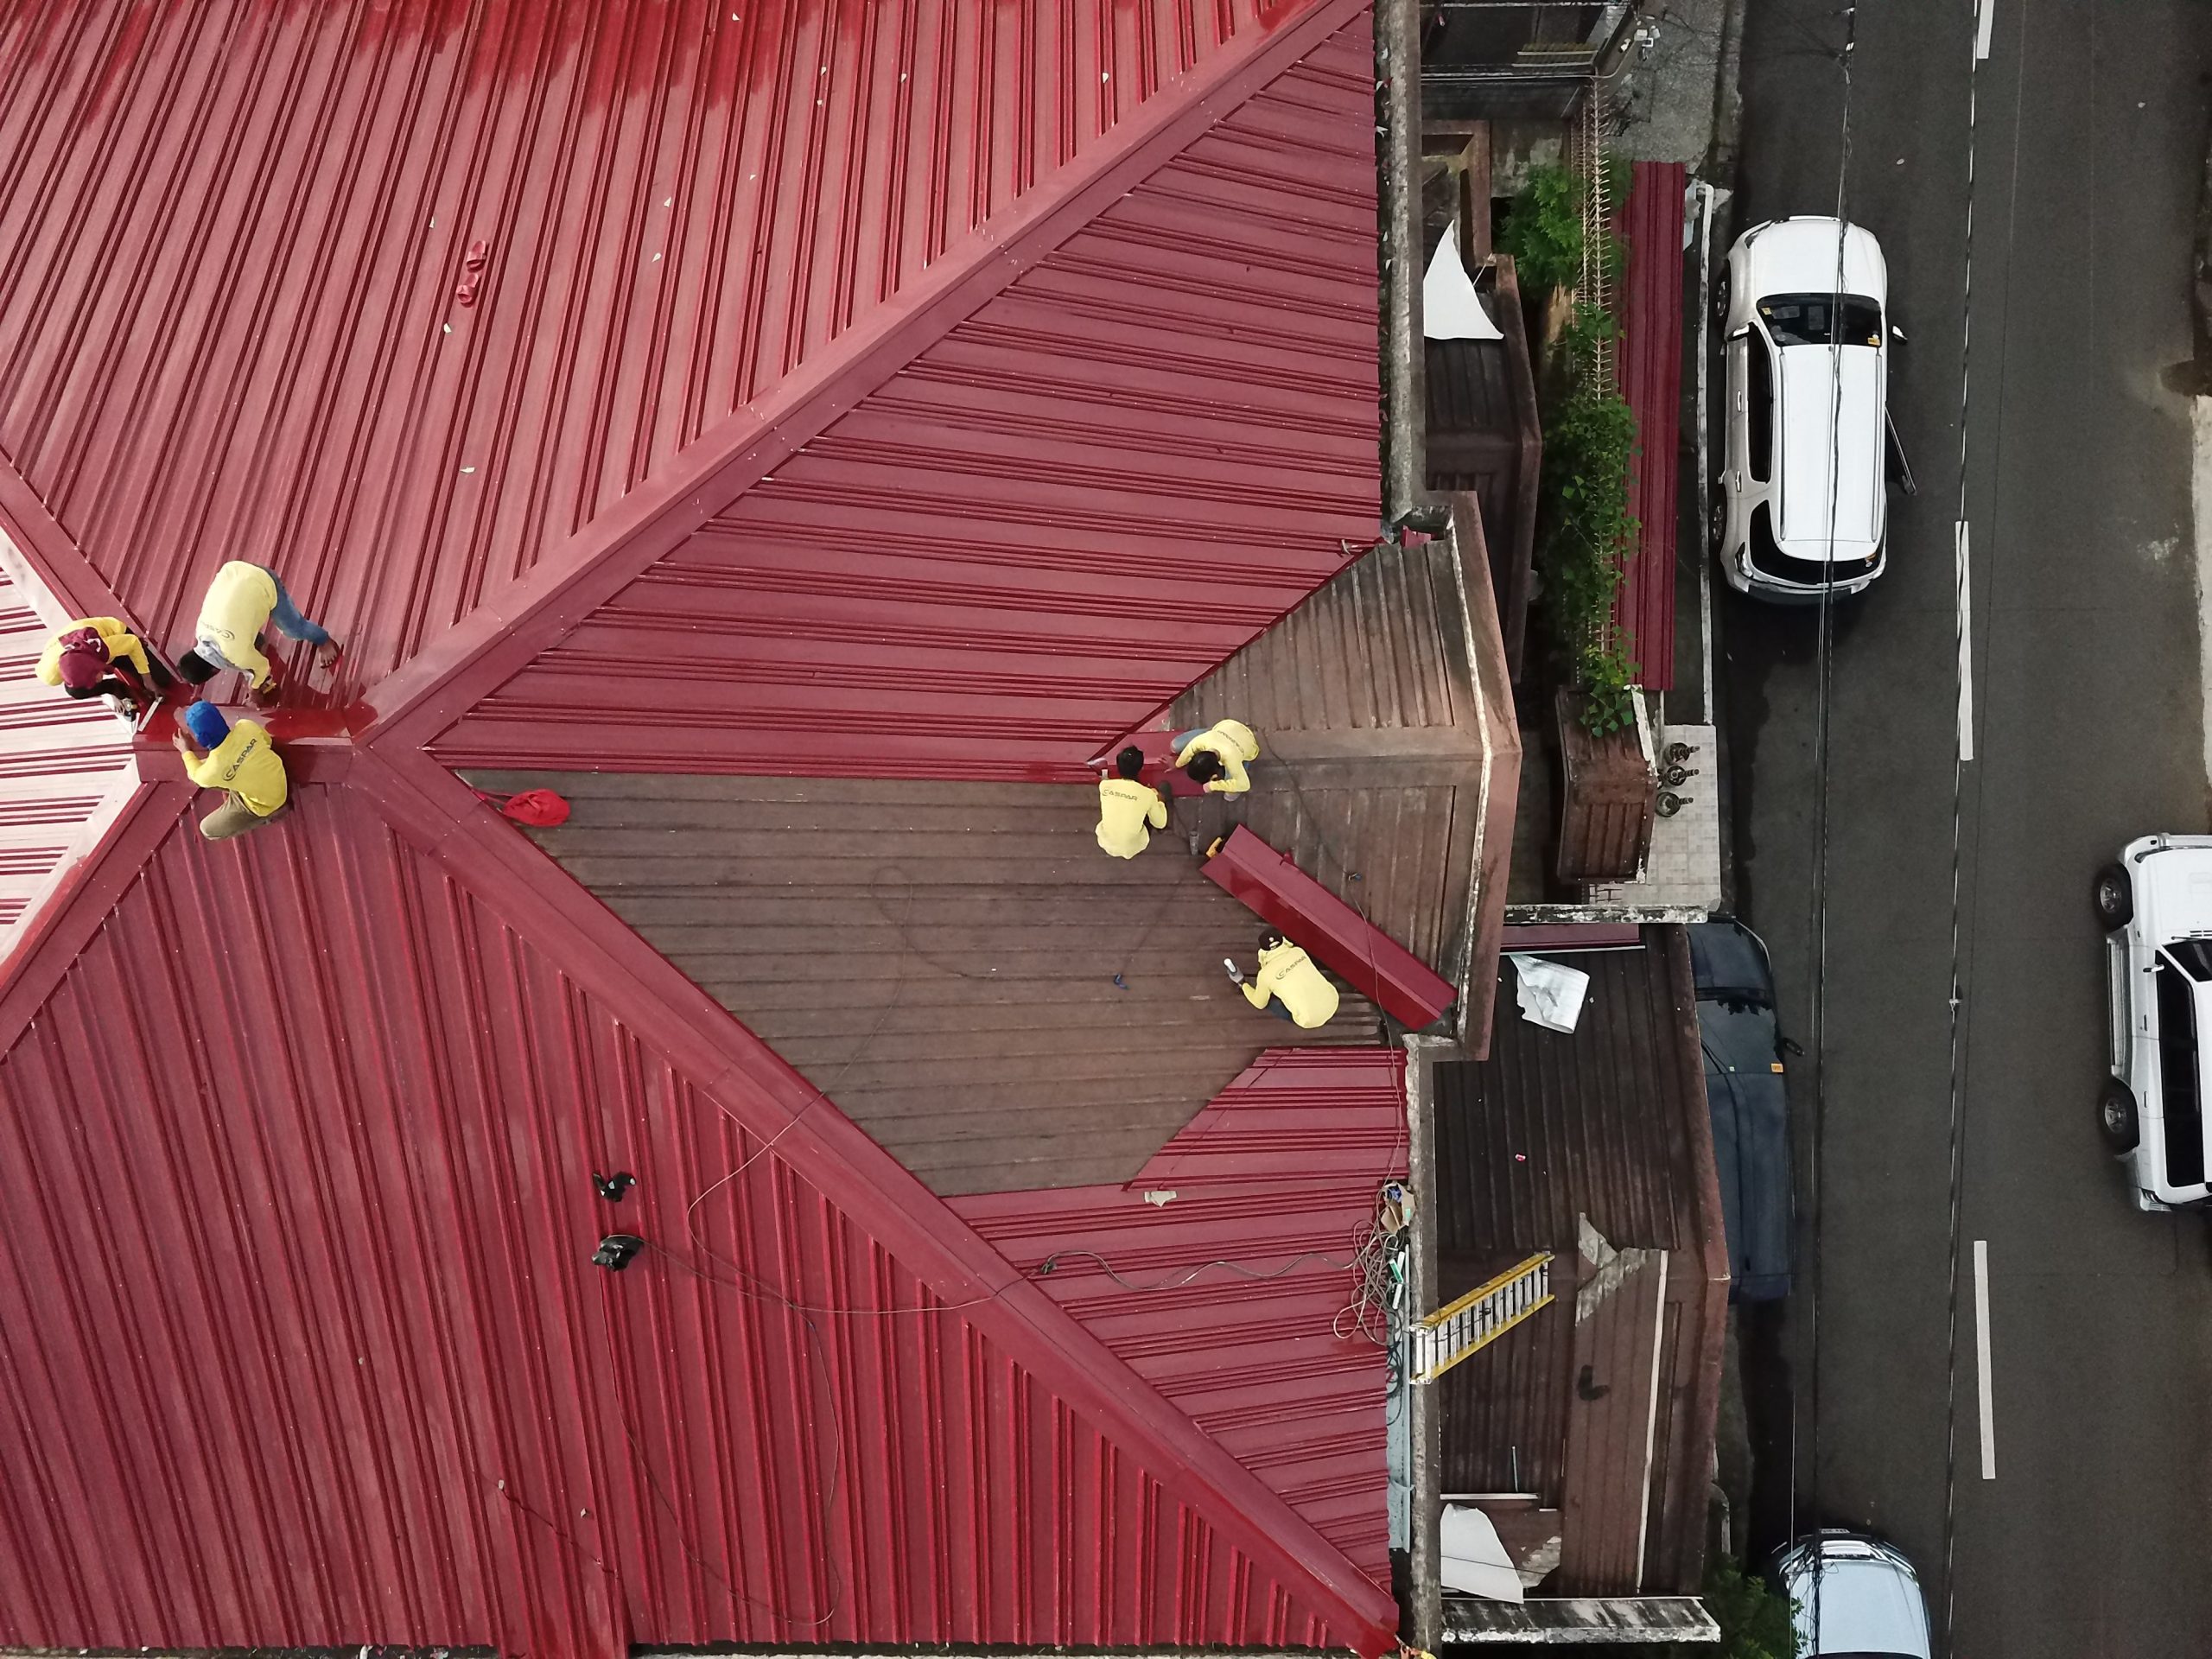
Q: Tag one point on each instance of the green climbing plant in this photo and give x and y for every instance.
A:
(1584, 532)
(1543, 227)
(1754, 1619)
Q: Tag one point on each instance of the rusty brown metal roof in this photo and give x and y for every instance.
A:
(1607, 1123)
(1373, 725)
(939, 958)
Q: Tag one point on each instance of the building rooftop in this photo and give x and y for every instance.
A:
(1587, 1428)
(802, 396)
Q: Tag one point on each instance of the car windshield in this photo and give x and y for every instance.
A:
(1809, 319)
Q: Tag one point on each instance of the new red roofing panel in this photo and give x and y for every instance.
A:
(299, 1304)
(1047, 524)
(230, 322)
(1330, 931)
(1239, 1300)
(1650, 365)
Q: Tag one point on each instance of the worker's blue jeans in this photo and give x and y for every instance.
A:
(1277, 1008)
(288, 617)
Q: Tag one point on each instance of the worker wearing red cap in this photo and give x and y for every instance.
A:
(240, 759)
(98, 656)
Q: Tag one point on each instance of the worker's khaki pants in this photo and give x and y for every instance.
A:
(234, 817)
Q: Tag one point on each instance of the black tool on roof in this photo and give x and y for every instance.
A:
(615, 1252)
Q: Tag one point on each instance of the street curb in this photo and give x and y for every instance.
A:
(1728, 100)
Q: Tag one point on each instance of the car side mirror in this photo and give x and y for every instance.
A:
(1791, 1046)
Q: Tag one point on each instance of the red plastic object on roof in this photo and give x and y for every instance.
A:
(1330, 931)
(1649, 361)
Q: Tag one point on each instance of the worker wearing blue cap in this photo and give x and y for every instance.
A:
(239, 759)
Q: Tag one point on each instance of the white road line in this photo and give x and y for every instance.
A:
(1981, 1351)
(1966, 645)
(1985, 20)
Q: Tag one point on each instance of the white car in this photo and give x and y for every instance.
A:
(1799, 506)
(2156, 907)
(1854, 1598)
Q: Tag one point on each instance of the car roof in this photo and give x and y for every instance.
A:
(1824, 389)
(1798, 256)
(1866, 1602)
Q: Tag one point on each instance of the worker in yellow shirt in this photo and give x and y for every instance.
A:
(240, 759)
(1128, 810)
(1288, 985)
(98, 656)
(242, 600)
(1215, 756)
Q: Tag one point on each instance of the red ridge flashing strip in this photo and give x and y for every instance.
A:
(500, 639)
(437, 812)
(1284, 896)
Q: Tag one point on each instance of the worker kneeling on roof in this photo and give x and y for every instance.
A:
(242, 761)
(1128, 810)
(1288, 985)
(1215, 756)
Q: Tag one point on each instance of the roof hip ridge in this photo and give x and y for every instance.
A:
(500, 638)
(436, 812)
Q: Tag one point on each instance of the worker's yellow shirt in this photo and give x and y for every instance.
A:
(1287, 972)
(238, 606)
(245, 764)
(1125, 807)
(1234, 741)
(122, 645)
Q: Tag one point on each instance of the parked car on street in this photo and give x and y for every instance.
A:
(1799, 505)
(2156, 908)
(1853, 1598)
(1744, 1091)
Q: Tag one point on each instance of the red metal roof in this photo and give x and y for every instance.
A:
(1056, 515)
(1649, 361)
(1268, 1356)
(297, 1333)
(298, 1300)
(235, 237)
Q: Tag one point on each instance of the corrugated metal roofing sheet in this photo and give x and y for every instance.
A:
(1237, 1300)
(1603, 1404)
(1047, 524)
(298, 1302)
(64, 766)
(1650, 363)
(237, 234)
(299, 1342)
(997, 1002)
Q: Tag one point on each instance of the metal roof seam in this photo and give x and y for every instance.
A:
(501, 868)
(436, 687)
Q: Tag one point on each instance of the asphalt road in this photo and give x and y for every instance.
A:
(2092, 1540)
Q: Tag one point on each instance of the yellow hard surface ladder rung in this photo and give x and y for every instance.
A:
(1480, 1317)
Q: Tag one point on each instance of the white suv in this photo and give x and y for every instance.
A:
(2156, 906)
(1799, 506)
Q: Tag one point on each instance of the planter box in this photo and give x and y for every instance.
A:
(1609, 799)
